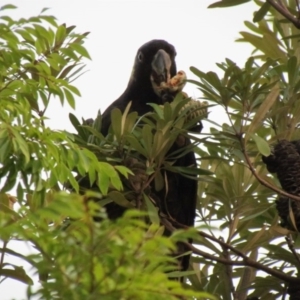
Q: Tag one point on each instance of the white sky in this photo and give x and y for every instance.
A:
(118, 28)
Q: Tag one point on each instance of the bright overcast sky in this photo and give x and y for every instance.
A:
(201, 36)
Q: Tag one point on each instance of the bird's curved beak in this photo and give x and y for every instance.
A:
(161, 66)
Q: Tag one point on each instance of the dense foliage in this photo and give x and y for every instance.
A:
(74, 257)
(247, 241)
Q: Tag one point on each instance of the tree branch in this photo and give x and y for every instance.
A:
(284, 12)
(246, 261)
(292, 248)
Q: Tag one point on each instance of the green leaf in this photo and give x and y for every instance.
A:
(227, 3)
(8, 6)
(60, 34)
(292, 68)
(5, 149)
(124, 171)
(80, 50)
(73, 89)
(44, 9)
(135, 144)
(119, 198)
(259, 15)
(263, 110)
(262, 146)
(116, 123)
(70, 97)
(152, 210)
(18, 274)
(77, 125)
(107, 170)
(124, 118)
(147, 138)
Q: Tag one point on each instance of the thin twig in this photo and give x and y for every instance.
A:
(3, 253)
(228, 268)
(292, 248)
(298, 7)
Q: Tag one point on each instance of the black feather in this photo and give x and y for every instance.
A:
(180, 199)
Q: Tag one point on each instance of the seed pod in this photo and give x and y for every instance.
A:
(170, 88)
(283, 206)
(294, 291)
(177, 82)
(288, 166)
(270, 162)
(285, 162)
(195, 109)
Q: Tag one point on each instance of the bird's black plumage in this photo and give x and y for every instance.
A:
(156, 60)
(139, 89)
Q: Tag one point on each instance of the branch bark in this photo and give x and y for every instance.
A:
(284, 12)
(246, 261)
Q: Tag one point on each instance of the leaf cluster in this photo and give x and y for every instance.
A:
(259, 102)
(142, 149)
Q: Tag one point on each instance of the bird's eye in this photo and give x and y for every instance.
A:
(140, 56)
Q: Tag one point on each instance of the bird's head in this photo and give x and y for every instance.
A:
(154, 63)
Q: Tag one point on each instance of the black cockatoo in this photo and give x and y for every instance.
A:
(155, 63)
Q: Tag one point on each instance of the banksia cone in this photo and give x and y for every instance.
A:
(195, 109)
(270, 162)
(283, 205)
(285, 161)
(168, 90)
(177, 82)
(294, 291)
(297, 145)
(288, 166)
